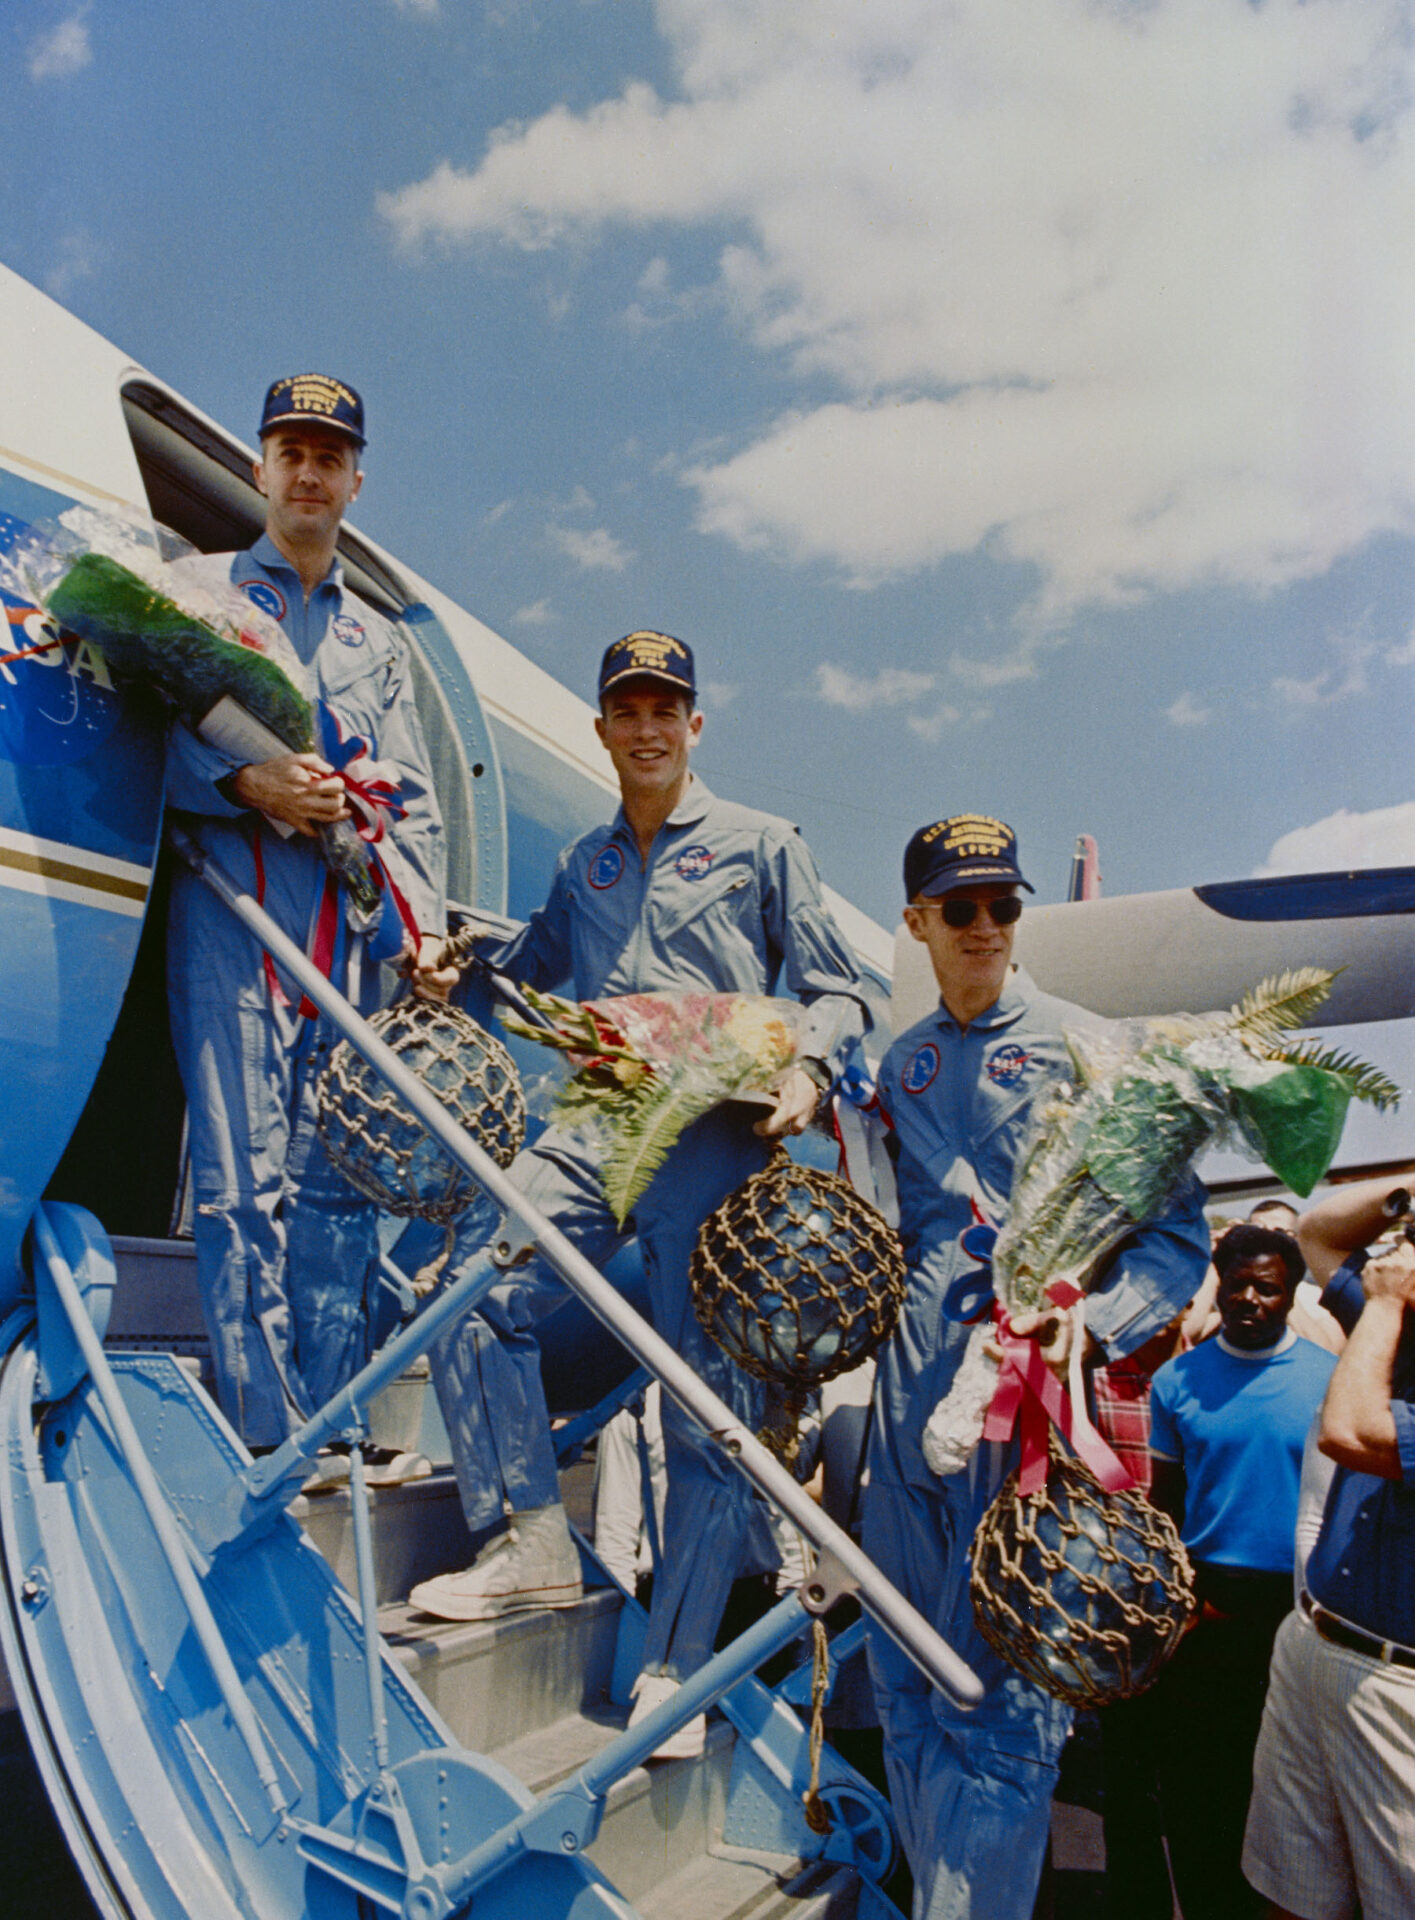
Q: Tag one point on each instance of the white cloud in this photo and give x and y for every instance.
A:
(1384, 837)
(594, 548)
(933, 726)
(1343, 680)
(1186, 711)
(65, 49)
(859, 693)
(425, 7)
(1119, 291)
(539, 613)
(714, 695)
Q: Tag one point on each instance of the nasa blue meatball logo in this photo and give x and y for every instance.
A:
(922, 1070)
(606, 867)
(265, 595)
(693, 862)
(348, 631)
(57, 700)
(1007, 1066)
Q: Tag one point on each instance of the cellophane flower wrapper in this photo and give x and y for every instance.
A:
(228, 670)
(649, 1064)
(1105, 1150)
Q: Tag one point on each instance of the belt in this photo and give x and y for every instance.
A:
(1389, 1652)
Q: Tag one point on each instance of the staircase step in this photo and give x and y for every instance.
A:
(720, 1888)
(658, 1820)
(494, 1681)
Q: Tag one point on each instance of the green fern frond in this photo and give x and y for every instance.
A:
(646, 1137)
(1361, 1080)
(1282, 1001)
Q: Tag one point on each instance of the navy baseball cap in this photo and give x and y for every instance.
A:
(967, 848)
(314, 399)
(648, 656)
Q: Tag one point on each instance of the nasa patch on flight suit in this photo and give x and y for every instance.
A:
(606, 867)
(693, 862)
(348, 631)
(1006, 1067)
(921, 1068)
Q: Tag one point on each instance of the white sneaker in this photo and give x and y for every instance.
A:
(650, 1692)
(328, 1470)
(391, 1466)
(534, 1563)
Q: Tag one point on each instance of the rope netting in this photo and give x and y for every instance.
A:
(798, 1279)
(387, 1153)
(1084, 1591)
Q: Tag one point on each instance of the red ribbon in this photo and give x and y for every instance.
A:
(1031, 1398)
(373, 803)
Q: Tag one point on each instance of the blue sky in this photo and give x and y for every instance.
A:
(1013, 403)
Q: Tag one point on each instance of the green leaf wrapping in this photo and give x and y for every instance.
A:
(1142, 1142)
(145, 639)
(1295, 1122)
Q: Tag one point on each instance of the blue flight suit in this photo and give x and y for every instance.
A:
(287, 1251)
(972, 1791)
(727, 902)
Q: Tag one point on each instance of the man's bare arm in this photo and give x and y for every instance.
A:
(1358, 1427)
(1347, 1220)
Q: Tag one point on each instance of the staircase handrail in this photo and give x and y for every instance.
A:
(843, 1566)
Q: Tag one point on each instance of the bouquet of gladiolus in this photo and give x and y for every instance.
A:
(226, 668)
(646, 1064)
(1106, 1148)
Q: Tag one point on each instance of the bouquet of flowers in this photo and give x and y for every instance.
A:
(1105, 1149)
(646, 1064)
(225, 667)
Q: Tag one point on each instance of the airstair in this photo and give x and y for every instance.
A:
(227, 1730)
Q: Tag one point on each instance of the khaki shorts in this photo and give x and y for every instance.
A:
(1333, 1812)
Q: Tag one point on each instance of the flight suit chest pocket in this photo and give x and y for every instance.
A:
(353, 670)
(731, 896)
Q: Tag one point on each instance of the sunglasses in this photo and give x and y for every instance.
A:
(962, 913)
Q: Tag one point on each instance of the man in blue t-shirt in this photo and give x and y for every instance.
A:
(1333, 1814)
(1227, 1425)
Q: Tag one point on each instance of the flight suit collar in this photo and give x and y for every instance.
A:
(694, 805)
(270, 559)
(1017, 994)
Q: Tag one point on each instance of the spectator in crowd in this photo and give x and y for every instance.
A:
(1228, 1422)
(1309, 1318)
(1332, 1821)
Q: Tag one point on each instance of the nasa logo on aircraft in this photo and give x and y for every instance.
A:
(693, 862)
(265, 595)
(1007, 1065)
(348, 631)
(57, 702)
(606, 866)
(922, 1069)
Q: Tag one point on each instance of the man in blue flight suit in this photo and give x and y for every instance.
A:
(682, 892)
(287, 1254)
(972, 1791)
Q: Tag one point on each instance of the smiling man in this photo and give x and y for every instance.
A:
(681, 892)
(972, 1791)
(287, 1251)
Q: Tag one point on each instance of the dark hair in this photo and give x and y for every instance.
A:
(1248, 1242)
